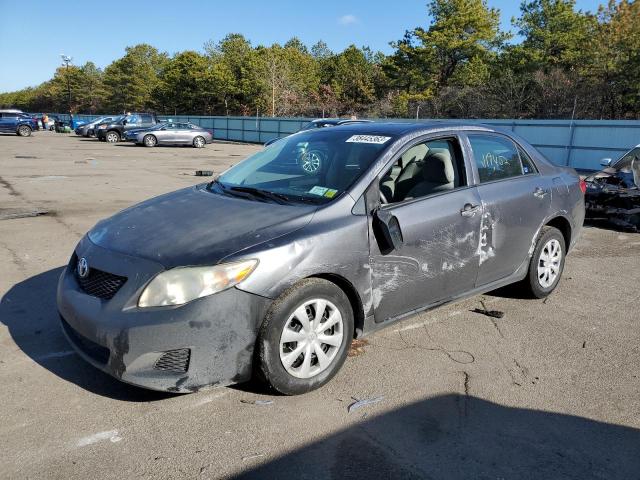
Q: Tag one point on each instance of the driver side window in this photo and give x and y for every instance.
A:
(424, 169)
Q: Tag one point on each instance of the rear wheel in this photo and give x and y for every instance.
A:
(199, 142)
(150, 141)
(24, 130)
(113, 137)
(305, 337)
(547, 263)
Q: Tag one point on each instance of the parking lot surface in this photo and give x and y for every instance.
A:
(548, 391)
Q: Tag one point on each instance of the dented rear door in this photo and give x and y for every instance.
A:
(515, 201)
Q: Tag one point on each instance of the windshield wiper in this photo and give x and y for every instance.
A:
(256, 192)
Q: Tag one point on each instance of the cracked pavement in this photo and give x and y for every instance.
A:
(548, 391)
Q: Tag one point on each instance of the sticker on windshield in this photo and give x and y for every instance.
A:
(330, 193)
(375, 139)
(318, 191)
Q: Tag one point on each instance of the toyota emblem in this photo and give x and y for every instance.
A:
(83, 268)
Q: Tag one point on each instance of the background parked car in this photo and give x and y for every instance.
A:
(14, 121)
(171, 133)
(322, 123)
(113, 131)
(87, 129)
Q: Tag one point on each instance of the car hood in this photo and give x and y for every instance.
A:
(194, 226)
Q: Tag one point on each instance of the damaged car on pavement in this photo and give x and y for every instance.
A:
(613, 194)
(272, 269)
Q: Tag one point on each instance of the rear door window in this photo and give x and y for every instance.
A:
(496, 157)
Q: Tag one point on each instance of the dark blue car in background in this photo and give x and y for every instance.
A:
(13, 121)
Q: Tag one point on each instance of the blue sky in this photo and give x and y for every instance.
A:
(33, 35)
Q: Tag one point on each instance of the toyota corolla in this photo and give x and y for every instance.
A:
(327, 235)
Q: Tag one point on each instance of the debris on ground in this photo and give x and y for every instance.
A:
(488, 313)
(363, 403)
(357, 347)
(251, 457)
(204, 173)
(257, 402)
(13, 213)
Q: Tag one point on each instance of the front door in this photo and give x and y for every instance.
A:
(439, 217)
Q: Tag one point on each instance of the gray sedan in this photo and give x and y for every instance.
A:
(272, 269)
(174, 134)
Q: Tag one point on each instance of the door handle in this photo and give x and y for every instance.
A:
(540, 192)
(469, 210)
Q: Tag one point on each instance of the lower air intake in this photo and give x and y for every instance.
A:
(174, 361)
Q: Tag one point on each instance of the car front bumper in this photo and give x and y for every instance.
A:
(101, 133)
(206, 342)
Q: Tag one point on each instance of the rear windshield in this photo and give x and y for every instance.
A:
(314, 166)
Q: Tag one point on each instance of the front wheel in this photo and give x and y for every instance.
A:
(24, 131)
(547, 263)
(113, 137)
(150, 141)
(199, 142)
(305, 337)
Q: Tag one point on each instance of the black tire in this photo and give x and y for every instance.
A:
(269, 367)
(532, 284)
(112, 136)
(150, 141)
(24, 131)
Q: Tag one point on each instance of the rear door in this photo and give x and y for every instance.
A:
(516, 199)
(183, 133)
(439, 216)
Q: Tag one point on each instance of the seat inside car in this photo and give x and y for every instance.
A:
(437, 174)
(403, 171)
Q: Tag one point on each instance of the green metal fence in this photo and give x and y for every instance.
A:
(580, 144)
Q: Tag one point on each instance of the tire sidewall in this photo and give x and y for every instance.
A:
(117, 137)
(548, 233)
(270, 367)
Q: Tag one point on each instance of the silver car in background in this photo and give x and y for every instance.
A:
(174, 134)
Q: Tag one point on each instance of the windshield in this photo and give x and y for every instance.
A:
(314, 166)
(625, 162)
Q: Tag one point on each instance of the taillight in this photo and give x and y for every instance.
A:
(583, 186)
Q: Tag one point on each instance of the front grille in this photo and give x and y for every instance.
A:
(174, 361)
(91, 349)
(100, 284)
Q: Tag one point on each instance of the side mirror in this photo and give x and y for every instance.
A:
(124, 122)
(387, 231)
(605, 162)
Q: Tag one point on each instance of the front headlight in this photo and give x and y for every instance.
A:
(101, 127)
(184, 284)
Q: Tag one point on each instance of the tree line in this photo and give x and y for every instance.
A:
(562, 63)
